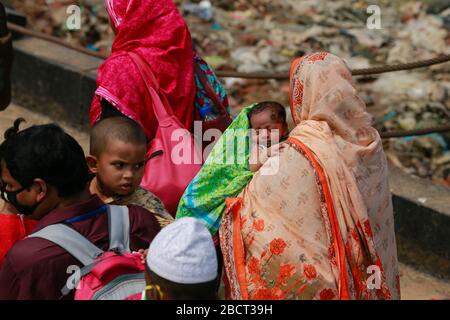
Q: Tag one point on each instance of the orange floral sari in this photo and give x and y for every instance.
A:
(322, 226)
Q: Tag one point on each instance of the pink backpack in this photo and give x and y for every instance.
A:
(163, 176)
(112, 275)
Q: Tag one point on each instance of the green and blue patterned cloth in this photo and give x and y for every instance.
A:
(224, 174)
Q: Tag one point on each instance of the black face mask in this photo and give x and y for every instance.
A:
(11, 197)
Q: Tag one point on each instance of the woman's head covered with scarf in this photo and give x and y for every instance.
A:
(155, 30)
(331, 98)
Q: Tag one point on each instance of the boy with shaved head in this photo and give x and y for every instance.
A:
(118, 147)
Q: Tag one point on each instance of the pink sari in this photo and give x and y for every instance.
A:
(155, 30)
(322, 226)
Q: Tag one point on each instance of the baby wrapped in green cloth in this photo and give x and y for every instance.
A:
(232, 162)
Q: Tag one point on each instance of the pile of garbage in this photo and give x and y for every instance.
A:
(427, 156)
(51, 16)
(266, 35)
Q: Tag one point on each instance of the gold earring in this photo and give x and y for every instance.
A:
(156, 288)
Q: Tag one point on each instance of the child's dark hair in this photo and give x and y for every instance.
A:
(48, 153)
(185, 291)
(278, 111)
(115, 128)
(14, 129)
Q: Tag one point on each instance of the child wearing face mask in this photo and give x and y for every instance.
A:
(13, 225)
(45, 177)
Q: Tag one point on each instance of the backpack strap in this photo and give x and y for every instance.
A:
(64, 236)
(119, 228)
(81, 248)
(76, 277)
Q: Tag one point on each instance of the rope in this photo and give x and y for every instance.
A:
(418, 132)
(234, 74)
(355, 72)
(402, 66)
(278, 76)
(27, 32)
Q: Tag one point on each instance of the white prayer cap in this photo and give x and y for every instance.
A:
(183, 252)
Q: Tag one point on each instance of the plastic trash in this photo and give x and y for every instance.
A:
(434, 136)
(207, 113)
(216, 27)
(203, 10)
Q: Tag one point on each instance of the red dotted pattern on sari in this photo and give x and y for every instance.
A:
(320, 56)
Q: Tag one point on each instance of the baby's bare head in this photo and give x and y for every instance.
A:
(269, 117)
(266, 113)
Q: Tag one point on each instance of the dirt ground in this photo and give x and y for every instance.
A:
(415, 285)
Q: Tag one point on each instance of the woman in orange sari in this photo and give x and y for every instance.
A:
(321, 226)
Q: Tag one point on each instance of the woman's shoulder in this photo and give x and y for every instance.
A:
(116, 61)
(289, 167)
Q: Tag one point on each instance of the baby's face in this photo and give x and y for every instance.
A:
(268, 130)
(121, 167)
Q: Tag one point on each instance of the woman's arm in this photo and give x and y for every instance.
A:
(260, 154)
(257, 158)
(253, 163)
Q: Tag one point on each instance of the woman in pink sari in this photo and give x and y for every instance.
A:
(321, 226)
(155, 30)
